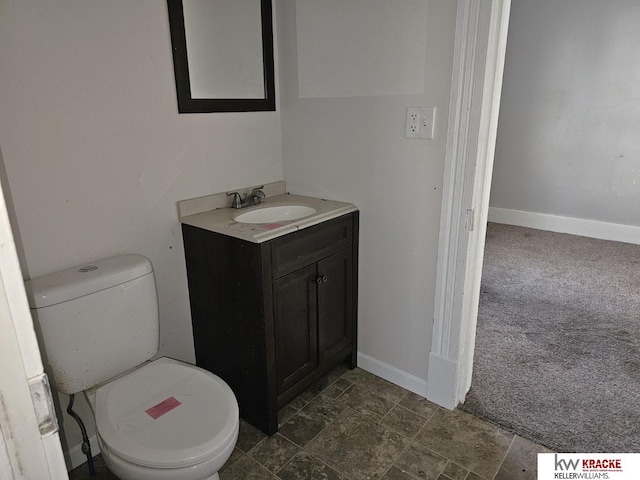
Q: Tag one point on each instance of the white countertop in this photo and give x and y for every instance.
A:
(221, 220)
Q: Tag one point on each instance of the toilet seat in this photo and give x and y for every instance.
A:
(166, 414)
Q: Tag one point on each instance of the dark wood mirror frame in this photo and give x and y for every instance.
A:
(187, 104)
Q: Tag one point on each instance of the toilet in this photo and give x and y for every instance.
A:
(155, 420)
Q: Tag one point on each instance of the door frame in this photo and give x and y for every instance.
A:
(479, 52)
(29, 440)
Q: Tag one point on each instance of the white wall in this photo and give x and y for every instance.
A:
(353, 148)
(568, 141)
(97, 156)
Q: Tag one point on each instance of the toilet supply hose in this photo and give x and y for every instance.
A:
(86, 446)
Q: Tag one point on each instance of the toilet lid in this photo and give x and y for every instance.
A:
(166, 414)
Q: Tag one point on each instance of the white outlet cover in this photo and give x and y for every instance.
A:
(420, 122)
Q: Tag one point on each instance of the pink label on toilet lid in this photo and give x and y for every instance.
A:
(163, 407)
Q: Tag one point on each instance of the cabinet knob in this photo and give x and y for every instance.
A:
(321, 279)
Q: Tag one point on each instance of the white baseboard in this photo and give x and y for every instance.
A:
(574, 226)
(74, 456)
(392, 374)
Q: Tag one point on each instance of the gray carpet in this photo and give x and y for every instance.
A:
(557, 355)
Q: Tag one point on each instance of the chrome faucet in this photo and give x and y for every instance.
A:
(253, 198)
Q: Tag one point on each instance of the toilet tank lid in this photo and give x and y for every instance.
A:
(82, 280)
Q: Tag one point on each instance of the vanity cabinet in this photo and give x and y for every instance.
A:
(271, 318)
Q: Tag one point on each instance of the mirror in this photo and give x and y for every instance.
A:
(223, 55)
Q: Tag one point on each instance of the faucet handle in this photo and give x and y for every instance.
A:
(256, 196)
(237, 200)
(258, 191)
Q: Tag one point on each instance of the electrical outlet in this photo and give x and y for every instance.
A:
(420, 122)
(413, 122)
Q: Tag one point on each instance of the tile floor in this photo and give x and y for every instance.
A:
(352, 425)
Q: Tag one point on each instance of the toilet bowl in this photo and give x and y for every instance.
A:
(165, 420)
(156, 419)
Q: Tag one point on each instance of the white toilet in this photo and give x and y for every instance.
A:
(160, 419)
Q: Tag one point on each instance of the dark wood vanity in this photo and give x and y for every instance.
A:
(271, 318)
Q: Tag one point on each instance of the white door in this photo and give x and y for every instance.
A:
(29, 443)
(481, 37)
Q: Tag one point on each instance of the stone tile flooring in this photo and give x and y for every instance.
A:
(352, 425)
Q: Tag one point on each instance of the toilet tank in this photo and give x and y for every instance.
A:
(95, 321)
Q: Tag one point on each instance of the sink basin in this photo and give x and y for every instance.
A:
(276, 213)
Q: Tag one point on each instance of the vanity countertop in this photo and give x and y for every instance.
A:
(221, 220)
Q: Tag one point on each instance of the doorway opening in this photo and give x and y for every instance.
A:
(462, 235)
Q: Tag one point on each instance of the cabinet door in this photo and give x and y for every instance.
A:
(335, 303)
(295, 322)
